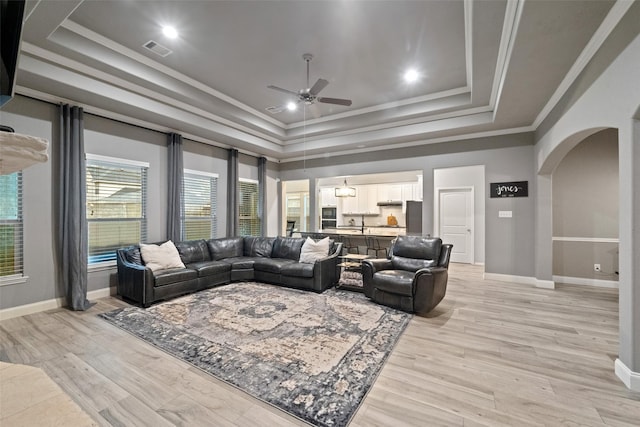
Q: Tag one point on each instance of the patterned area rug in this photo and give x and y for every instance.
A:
(312, 355)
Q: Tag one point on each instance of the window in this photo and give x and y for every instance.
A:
(116, 205)
(249, 222)
(11, 225)
(199, 212)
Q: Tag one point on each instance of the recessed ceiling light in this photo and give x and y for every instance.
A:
(411, 75)
(292, 106)
(169, 32)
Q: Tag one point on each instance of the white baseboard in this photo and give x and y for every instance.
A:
(545, 284)
(586, 282)
(627, 376)
(37, 307)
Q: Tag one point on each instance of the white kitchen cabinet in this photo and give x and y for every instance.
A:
(328, 197)
(365, 202)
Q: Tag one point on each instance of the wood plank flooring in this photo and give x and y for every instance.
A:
(491, 354)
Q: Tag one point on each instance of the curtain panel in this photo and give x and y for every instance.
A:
(174, 192)
(262, 191)
(72, 232)
(233, 211)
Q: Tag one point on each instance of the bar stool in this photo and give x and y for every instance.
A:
(348, 245)
(373, 244)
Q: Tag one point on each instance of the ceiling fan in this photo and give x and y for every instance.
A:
(308, 95)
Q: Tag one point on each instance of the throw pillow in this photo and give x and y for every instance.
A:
(312, 250)
(161, 257)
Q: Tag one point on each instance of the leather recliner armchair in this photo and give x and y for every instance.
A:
(413, 278)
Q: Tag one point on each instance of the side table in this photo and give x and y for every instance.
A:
(351, 272)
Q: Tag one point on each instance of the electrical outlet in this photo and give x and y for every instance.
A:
(596, 267)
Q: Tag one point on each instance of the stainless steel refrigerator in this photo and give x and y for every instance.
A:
(414, 217)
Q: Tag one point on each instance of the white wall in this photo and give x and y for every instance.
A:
(467, 176)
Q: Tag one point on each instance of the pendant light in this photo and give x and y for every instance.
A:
(345, 191)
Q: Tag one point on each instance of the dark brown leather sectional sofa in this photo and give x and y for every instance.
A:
(219, 261)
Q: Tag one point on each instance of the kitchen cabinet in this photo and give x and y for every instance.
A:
(328, 197)
(365, 202)
(388, 192)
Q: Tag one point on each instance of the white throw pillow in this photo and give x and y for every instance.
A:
(312, 250)
(161, 257)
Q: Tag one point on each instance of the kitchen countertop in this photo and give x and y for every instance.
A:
(356, 231)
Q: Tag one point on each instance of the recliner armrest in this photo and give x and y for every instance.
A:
(429, 288)
(369, 268)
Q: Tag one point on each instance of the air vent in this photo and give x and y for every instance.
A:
(157, 48)
(275, 109)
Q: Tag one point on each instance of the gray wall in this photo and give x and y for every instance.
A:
(585, 209)
(508, 244)
(113, 139)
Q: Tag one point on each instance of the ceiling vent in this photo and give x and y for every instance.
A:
(276, 109)
(157, 48)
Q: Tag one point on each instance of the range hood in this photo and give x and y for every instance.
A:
(390, 203)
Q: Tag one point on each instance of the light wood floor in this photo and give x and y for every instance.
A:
(492, 354)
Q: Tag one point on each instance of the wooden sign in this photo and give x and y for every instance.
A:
(510, 189)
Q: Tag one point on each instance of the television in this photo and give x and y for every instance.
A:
(11, 16)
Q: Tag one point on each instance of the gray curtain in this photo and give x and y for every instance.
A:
(233, 212)
(72, 215)
(174, 196)
(262, 191)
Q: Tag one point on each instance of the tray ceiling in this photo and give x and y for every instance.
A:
(487, 67)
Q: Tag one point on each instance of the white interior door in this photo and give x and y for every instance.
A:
(456, 222)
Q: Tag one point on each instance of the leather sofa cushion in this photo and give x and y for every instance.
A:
(297, 269)
(210, 268)
(271, 265)
(412, 253)
(225, 247)
(258, 246)
(241, 262)
(417, 247)
(411, 264)
(394, 281)
(287, 247)
(174, 275)
(193, 251)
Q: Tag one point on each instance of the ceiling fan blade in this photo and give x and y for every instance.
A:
(279, 89)
(314, 110)
(318, 86)
(338, 101)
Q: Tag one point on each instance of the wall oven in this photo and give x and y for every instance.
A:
(329, 217)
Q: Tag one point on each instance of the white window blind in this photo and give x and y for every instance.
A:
(199, 211)
(11, 242)
(116, 206)
(249, 223)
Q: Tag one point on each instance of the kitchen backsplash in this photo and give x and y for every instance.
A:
(375, 220)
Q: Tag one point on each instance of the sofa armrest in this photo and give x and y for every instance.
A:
(369, 268)
(135, 281)
(429, 288)
(325, 270)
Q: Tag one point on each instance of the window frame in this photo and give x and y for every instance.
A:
(213, 198)
(249, 217)
(115, 161)
(18, 275)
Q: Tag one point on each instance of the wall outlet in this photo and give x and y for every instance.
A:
(596, 267)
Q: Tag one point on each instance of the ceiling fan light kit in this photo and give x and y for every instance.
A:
(308, 95)
(345, 191)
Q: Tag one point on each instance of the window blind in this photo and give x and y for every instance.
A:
(199, 211)
(116, 206)
(11, 238)
(249, 222)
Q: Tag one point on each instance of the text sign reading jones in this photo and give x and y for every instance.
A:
(510, 189)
